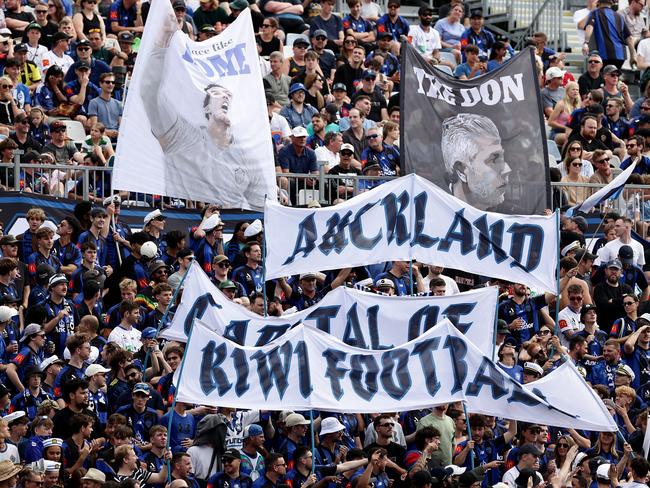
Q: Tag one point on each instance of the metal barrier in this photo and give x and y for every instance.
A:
(525, 17)
(83, 182)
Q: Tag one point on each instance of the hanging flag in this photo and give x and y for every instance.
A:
(411, 218)
(194, 117)
(611, 191)
(307, 369)
(483, 139)
(358, 318)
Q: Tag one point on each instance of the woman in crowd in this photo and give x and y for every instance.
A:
(559, 118)
(451, 29)
(267, 40)
(349, 43)
(314, 96)
(573, 167)
(87, 20)
(497, 55)
(575, 151)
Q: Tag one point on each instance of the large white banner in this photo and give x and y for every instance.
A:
(411, 218)
(309, 369)
(358, 318)
(553, 388)
(195, 117)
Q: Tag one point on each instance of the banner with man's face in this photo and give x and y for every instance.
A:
(195, 117)
(483, 140)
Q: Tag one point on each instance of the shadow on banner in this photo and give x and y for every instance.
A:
(483, 139)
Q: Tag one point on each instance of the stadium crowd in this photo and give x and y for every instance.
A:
(86, 393)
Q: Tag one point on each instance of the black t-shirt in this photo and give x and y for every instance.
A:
(377, 101)
(62, 419)
(609, 300)
(586, 83)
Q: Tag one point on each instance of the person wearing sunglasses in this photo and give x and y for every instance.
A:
(573, 167)
(86, 20)
(376, 152)
(635, 146)
(154, 226)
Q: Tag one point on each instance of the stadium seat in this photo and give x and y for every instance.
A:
(445, 69)
(306, 196)
(553, 151)
(449, 57)
(615, 161)
(76, 130)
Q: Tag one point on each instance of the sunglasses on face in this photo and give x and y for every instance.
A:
(576, 165)
(160, 219)
(628, 304)
(266, 25)
(594, 61)
(350, 41)
(575, 149)
(224, 265)
(109, 82)
(372, 136)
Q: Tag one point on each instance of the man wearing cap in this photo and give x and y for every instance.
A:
(154, 226)
(423, 36)
(31, 398)
(252, 452)
(57, 55)
(390, 64)
(140, 417)
(65, 152)
(30, 354)
(295, 431)
(307, 294)
(553, 92)
(297, 158)
(184, 258)
(276, 82)
(608, 296)
(528, 456)
(231, 475)
(326, 58)
(211, 244)
(95, 374)
(97, 67)
(297, 112)
(43, 254)
(387, 157)
(347, 165)
(25, 141)
(394, 23)
(378, 107)
(59, 313)
(36, 46)
(477, 34)
(30, 74)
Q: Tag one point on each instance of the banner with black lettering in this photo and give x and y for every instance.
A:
(553, 388)
(357, 318)
(307, 368)
(411, 218)
(195, 118)
(481, 139)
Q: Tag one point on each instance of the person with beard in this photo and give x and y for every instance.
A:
(608, 296)
(75, 395)
(133, 375)
(231, 475)
(251, 275)
(425, 38)
(524, 315)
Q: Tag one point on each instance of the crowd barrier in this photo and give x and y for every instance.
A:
(82, 182)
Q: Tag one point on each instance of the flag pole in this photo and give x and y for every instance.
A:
(171, 412)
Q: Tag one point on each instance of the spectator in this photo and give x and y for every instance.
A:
(611, 47)
(394, 23)
(297, 112)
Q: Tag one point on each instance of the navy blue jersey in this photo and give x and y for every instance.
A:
(528, 311)
(222, 480)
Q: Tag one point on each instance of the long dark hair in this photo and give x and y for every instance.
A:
(495, 46)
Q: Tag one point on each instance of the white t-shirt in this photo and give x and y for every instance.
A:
(511, 475)
(35, 54)
(578, 16)
(587, 169)
(610, 251)
(324, 154)
(126, 339)
(10, 453)
(424, 42)
(49, 59)
(569, 320)
(370, 10)
(451, 288)
(643, 49)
